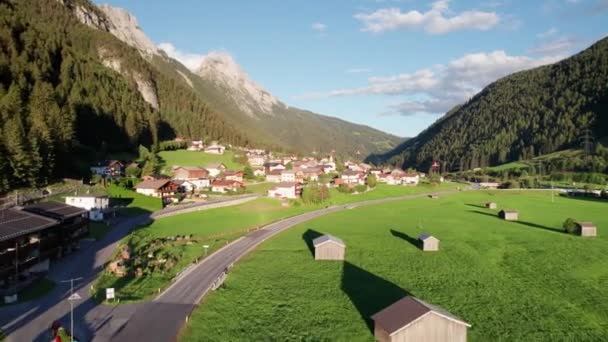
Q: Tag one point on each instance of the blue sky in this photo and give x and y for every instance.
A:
(396, 65)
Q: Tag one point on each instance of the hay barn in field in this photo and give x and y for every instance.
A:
(329, 247)
(586, 229)
(428, 243)
(509, 215)
(413, 320)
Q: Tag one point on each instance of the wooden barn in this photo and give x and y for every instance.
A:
(411, 319)
(491, 205)
(329, 247)
(509, 215)
(586, 228)
(434, 196)
(428, 243)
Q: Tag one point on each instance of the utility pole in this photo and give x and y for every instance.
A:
(73, 296)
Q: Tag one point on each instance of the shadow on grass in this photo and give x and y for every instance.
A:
(524, 223)
(308, 236)
(476, 205)
(368, 292)
(412, 240)
(584, 198)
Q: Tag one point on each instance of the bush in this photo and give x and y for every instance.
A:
(360, 188)
(133, 171)
(345, 189)
(371, 181)
(570, 226)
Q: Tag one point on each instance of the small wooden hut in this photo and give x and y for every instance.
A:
(329, 247)
(586, 229)
(411, 319)
(508, 215)
(434, 196)
(491, 205)
(428, 243)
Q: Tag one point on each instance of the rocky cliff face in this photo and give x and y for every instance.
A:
(125, 27)
(221, 69)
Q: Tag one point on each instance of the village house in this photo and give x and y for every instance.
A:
(488, 185)
(329, 247)
(274, 176)
(156, 188)
(586, 229)
(352, 177)
(97, 205)
(256, 159)
(215, 148)
(411, 319)
(154, 177)
(191, 178)
(259, 172)
(224, 186)
(312, 174)
(410, 179)
(375, 171)
(196, 145)
(272, 166)
(288, 176)
(328, 167)
(108, 168)
(428, 243)
(285, 190)
(234, 175)
(215, 169)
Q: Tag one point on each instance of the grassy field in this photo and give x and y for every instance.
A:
(513, 281)
(134, 203)
(215, 228)
(196, 158)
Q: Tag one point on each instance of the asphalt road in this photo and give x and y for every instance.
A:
(31, 321)
(149, 324)
(158, 320)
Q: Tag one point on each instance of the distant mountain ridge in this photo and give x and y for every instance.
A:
(520, 116)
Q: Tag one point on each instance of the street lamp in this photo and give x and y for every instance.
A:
(73, 296)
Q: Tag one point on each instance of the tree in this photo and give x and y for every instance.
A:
(570, 226)
(144, 153)
(289, 166)
(148, 169)
(133, 171)
(248, 172)
(371, 180)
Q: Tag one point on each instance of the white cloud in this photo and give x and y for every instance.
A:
(437, 89)
(550, 32)
(319, 27)
(434, 21)
(191, 60)
(562, 45)
(358, 70)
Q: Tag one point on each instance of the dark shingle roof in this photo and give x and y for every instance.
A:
(14, 222)
(56, 210)
(405, 311)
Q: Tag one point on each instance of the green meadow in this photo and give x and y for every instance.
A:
(196, 158)
(216, 227)
(512, 281)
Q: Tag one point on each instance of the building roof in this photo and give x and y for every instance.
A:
(509, 211)
(586, 224)
(214, 165)
(14, 223)
(284, 172)
(327, 238)
(224, 182)
(56, 210)
(425, 236)
(407, 310)
(274, 173)
(350, 172)
(285, 185)
(232, 173)
(152, 184)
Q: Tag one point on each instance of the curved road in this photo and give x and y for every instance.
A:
(162, 319)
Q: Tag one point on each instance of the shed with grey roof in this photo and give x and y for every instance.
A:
(329, 247)
(508, 215)
(428, 243)
(411, 319)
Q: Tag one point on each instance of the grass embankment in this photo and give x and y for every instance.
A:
(196, 158)
(134, 204)
(216, 227)
(513, 281)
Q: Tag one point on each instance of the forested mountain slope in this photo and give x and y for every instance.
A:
(520, 116)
